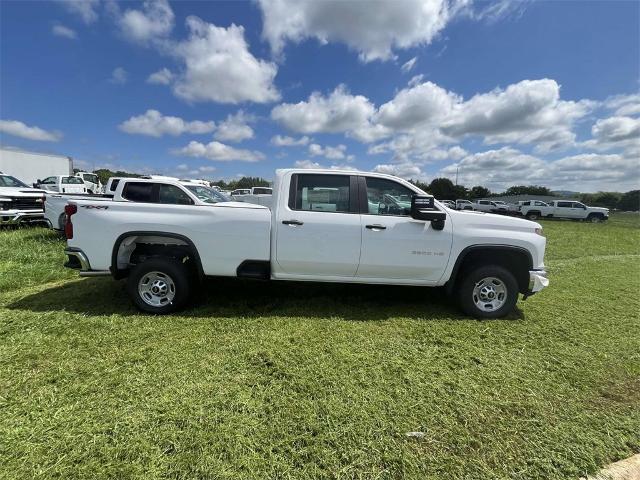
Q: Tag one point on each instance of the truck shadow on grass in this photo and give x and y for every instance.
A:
(247, 298)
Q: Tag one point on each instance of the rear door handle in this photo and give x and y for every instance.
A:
(292, 222)
(376, 226)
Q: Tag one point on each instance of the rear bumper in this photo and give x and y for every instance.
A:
(77, 260)
(538, 280)
(14, 217)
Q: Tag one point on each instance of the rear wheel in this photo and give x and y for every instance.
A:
(159, 285)
(489, 291)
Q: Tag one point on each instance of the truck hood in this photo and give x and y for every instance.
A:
(502, 222)
(17, 192)
(598, 209)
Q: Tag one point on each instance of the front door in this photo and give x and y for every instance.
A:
(318, 232)
(394, 245)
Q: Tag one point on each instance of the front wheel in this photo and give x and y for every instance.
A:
(159, 285)
(594, 218)
(489, 291)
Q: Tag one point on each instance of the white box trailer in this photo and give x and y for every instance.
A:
(31, 166)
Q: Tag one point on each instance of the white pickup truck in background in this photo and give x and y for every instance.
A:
(491, 206)
(257, 195)
(19, 203)
(116, 187)
(91, 182)
(324, 226)
(62, 184)
(535, 209)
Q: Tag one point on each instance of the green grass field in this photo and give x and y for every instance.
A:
(275, 380)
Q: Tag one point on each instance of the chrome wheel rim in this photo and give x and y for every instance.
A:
(490, 294)
(156, 289)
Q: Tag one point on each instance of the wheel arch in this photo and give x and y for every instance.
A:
(155, 238)
(517, 259)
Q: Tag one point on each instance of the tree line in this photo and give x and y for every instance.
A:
(444, 189)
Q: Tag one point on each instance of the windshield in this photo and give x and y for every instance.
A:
(73, 180)
(9, 181)
(207, 195)
(89, 177)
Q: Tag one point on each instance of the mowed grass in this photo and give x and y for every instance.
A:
(278, 380)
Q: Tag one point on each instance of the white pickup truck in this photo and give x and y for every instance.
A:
(179, 192)
(491, 206)
(535, 209)
(324, 226)
(19, 203)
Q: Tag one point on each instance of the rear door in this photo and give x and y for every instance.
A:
(318, 231)
(394, 245)
(565, 210)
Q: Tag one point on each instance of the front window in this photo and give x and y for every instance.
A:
(386, 197)
(322, 193)
(170, 194)
(49, 181)
(207, 195)
(9, 181)
(72, 180)
(579, 205)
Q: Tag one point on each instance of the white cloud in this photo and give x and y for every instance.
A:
(310, 164)
(219, 151)
(153, 21)
(417, 106)
(65, 32)
(332, 153)
(616, 133)
(526, 112)
(163, 76)
(338, 112)
(19, 129)
(624, 105)
(408, 66)
(154, 124)
(86, 9)
(220, 68)
(285, 141)
(403, 170)
(119, 76)
(373, 29)
(235, 128)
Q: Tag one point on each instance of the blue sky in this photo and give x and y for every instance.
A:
(504, 92)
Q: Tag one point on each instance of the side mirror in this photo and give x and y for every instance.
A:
(423, 208)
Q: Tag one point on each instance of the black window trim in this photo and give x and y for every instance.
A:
(353, 193)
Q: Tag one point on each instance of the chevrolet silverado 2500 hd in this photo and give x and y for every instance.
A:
(536, 209)
(324, 226)
(18, 202)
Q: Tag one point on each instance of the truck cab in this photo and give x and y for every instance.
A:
(62, 184)
(91, 182)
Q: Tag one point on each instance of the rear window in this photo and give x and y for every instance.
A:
(564, 204)
(262, 191)
(138, 192)
(72, 180)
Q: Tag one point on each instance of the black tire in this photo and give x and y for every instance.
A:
(466, 299)
(595, 218)
(177, 273)
(533, 216)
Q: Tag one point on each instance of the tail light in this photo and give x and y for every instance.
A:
(69, 209)
(44, 200)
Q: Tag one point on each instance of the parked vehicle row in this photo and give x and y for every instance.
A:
(324, 225)
(535, 209)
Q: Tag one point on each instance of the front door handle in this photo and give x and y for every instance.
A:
(376, 226)
(292, 222)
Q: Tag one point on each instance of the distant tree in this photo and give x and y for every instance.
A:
(630, 201)
(527, 190)
(479, 192)
(601, 199)
(420, 185)
(444, 189)
(104, 174)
